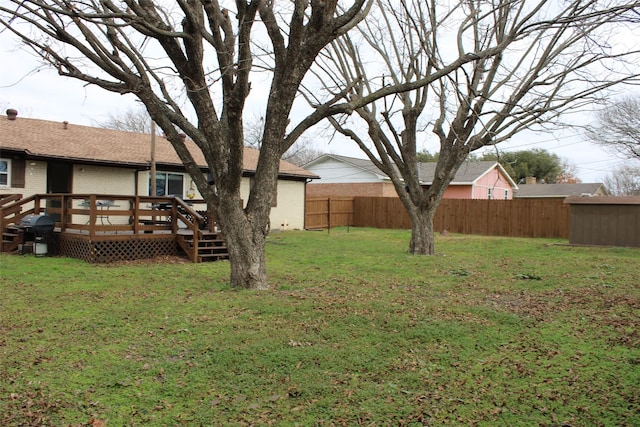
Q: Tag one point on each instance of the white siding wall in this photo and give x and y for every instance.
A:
(289, 213)
(35, 180)
(103, 180)
(143, 183)
(291, 200)
(331, 171)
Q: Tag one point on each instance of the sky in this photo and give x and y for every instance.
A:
(41, 93)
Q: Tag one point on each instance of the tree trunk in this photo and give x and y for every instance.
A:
(422, 235)
(245, 236)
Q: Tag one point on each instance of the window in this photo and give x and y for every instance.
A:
(506, 194)
(5, 173)
(168, 184)
(490, 193)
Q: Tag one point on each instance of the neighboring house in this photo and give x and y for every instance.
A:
(531, 190)
(39, 156)
(342, 176)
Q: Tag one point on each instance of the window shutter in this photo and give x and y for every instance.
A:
(18, 172)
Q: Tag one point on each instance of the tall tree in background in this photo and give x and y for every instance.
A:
(424, 156)
(547, 59)
(617, 127)
(568, 174)
(190, 62)
(540, 164)
(302, 151)
(623, 181)
(131, 120)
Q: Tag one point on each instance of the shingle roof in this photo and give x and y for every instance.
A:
(47, 139)
(469, 172)
(559, 190)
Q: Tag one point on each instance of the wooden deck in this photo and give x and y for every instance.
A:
(101, 228)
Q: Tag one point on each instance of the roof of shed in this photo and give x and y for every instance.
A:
(559, 190)
(603, 200)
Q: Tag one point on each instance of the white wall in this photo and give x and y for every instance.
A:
(103, 180)
(290, 204)
(289, 213)
(86, 180)
(35, 180)
(332, 171)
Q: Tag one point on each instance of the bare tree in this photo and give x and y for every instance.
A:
(568, 173)
(623, 181)
(302, 151)
(617, 127)
(190, 62)
(547, 58)
(131, 120)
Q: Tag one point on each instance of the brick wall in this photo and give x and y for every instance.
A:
(360, 189)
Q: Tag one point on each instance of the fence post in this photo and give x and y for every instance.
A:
(329, 215)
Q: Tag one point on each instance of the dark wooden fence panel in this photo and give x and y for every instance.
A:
(608, 221)
(514, 218)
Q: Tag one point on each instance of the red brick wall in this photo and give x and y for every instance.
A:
(360, 189)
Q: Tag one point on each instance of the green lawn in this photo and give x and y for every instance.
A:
(488, 332)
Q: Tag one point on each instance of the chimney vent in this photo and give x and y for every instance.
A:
(12, 114)
(65, 125)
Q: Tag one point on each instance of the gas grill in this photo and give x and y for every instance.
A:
(36, 231)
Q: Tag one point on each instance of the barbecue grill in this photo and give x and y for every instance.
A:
(39, 225)
(37, 229)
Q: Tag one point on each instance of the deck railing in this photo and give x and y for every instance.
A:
(106, 214)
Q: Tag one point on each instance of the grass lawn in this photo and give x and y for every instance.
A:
(355, 332)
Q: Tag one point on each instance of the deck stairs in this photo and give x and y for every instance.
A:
(9, 228)
(210, 245)
(10, 238)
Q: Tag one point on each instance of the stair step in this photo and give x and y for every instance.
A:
(190, 239)
(202, 244)
(213, 251)
(212, 257)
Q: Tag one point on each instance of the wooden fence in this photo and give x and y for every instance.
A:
(514, 218)
(328, 212)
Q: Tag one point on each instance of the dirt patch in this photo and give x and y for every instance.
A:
(540, 306)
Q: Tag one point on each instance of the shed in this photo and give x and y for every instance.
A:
(605, 221)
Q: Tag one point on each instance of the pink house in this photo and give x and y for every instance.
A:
(474, 180)
(342, 176)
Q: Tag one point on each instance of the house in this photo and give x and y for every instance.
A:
(349, 176)
(39, 156)
(532, 190)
